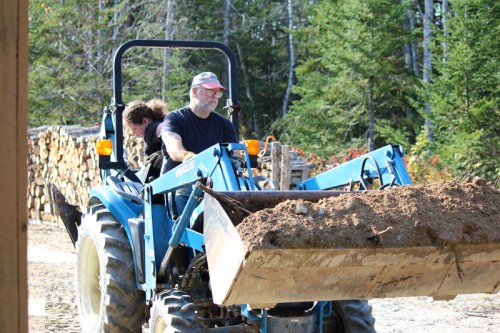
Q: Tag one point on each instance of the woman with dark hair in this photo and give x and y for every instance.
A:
(145, 120)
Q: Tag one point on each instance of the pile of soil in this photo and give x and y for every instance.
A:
(440, 214)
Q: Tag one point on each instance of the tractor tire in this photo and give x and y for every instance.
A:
(106, 293)
(352, 316)
(173, 312)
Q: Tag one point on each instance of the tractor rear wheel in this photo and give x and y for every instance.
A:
(173, 312)
(352, 316)
(107, 297)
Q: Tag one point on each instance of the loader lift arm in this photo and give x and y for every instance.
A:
(385, 163)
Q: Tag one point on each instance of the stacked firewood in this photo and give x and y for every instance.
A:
(65, 156)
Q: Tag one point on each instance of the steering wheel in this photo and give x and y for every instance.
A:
(263, 183)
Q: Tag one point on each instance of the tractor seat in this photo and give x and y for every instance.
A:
(129, 190)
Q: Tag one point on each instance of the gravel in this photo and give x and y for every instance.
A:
(52, 307)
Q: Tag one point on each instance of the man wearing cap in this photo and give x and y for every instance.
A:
(194, 128)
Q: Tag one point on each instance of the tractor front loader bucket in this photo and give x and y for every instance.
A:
(71, 215)
(263, 277)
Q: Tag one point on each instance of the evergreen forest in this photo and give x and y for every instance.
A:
(330, 77)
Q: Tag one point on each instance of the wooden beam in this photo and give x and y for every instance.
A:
(13, 149)
(285, 168)
(275, 164)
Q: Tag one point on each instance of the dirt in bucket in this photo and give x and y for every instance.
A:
(439, 214)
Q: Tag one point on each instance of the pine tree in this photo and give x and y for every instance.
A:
(466, 93)
(353, 79)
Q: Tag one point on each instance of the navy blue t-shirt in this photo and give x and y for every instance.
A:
(197, 134)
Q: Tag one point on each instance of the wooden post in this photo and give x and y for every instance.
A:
(285, 168)
(275, 164)
(13, 224)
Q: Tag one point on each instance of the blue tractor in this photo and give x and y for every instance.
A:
(139, 264)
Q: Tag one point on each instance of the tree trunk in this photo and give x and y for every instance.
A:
(371, 126)
(413, 45)
(169, 34)
(407, 47)
(100, 40)
(115, 25)
(227, 33)
(248, 92)
(227, 12)
(428, 15)
(407, 54)
(446, 14)
(291, 46)
(371, 122)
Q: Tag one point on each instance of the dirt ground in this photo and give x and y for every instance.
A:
(52, 308)
(51, 261)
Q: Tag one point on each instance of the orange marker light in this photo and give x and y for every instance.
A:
(104, 147)
(253, 147)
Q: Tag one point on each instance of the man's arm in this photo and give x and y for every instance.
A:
(173, 144)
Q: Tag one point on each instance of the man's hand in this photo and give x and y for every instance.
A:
(187, 155)
(155, 159)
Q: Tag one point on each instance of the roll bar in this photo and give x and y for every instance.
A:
(114, 126)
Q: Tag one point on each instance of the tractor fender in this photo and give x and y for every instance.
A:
(121, 208)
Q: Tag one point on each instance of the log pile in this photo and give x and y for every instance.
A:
(65, 156)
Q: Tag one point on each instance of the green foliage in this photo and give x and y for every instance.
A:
(72, 44)
(465, 94)
(349, 53)
(65, 81)
(352, 51)
(422, 167)
(388, 133)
